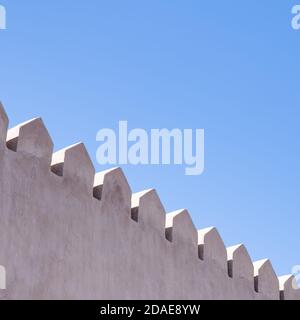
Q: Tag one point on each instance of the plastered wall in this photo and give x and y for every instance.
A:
(68, 233)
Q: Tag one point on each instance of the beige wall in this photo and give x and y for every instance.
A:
(58, 241)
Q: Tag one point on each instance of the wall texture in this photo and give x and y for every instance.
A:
(68, 233)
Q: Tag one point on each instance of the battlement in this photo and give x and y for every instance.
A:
(68, 233)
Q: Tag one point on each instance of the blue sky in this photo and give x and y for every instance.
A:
(230, 67)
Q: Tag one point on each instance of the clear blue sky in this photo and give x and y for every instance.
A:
(230, 67)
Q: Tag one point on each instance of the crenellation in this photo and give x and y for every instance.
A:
(116, 193)
(181, 230)
(74, 164)
(265, 279)
(149, 210)
(212, 247)
(3, 125)
(289, 289)
(239, 263)
(32, 138)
